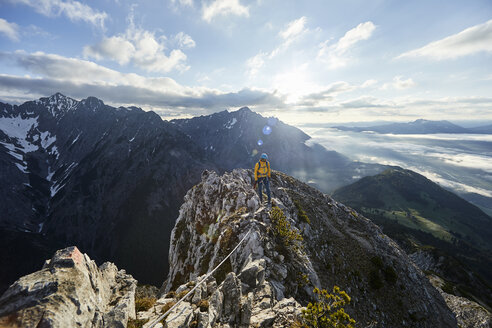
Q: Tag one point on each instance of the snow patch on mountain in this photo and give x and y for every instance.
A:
(18, 128)
(18, 155)
(57, 185)
(12, 150)
(58, 105)
(22, 167)
(50, 174)
(47, 139)
(76, 138)
(231, 123)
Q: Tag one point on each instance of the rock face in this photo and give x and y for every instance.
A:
(469, 314)
(306, 240)
(108, 180)
(70, 291)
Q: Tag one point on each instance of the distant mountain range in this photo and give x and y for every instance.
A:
(423, 217)
(419, 127)
(111, 180)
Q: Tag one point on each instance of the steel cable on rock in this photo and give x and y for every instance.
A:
(198, 284)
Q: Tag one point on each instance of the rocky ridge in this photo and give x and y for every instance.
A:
(70, 291)
(111, 180)
(306, 240)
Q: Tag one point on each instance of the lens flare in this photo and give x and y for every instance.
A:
(260, 142)
(267, 130)
(254, 152)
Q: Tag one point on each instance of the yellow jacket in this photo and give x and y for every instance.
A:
(262, 169)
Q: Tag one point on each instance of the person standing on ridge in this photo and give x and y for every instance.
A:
(262, 176)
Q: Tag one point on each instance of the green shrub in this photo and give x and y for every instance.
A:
(203, 305)
(167, 306)
(390, 274)
(182, 294)
(448, 288)
(144, 303)
(171, 294)
(327, 311)
(164, 309)
(302, 279)
(375, 279)
(136, 323)
(281, 227)
(301, 213)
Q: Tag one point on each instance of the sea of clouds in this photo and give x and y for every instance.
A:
(459, 162)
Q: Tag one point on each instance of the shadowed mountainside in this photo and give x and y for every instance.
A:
(446, 234)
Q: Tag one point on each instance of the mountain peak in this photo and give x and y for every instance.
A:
(424, 121)
(244, 109)
(57, 96)
(93, 103)
(58, 104)
(305, 240)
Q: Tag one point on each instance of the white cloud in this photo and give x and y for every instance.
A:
(188, 3)
(82, 78)
(117, 48)
(74, 10)
(399, 83)
(143, 49)
(223, 8)
(454, 185)
(363, 31)
(369, 83)
(326, 95)
(294, 29)
(335, 55)
(184, 40)
(255, 63)
(11, 30)
(364, 102)
(472, 40)
(292, 32)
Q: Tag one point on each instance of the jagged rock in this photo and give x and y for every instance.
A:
(335, 246)
(468, 314)
(228, 306)
(215, 306)
(70, 291)
(232, 297)
(253, 273)
(146, 291)
(180, 317)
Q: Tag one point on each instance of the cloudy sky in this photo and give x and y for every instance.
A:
(304, 61)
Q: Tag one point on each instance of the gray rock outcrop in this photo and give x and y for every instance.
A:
(70, 291)
(243, 300)
(272, 274)
(468, 314)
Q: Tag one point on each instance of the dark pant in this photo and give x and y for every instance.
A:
(264, 181)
